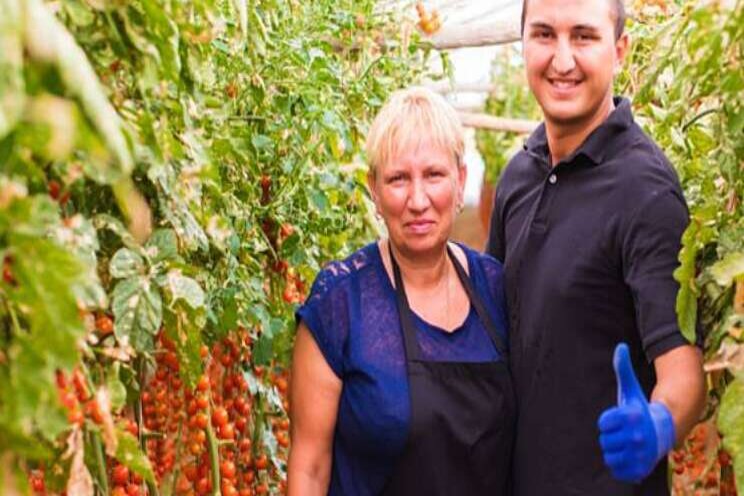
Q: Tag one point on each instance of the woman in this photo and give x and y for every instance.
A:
(399, 379)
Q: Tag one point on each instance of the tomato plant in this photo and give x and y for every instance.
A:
(172, 174)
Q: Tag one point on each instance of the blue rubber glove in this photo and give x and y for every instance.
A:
(635, 434)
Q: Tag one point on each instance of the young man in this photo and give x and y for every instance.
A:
(588, 219)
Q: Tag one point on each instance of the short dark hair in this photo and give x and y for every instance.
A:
(618, 9)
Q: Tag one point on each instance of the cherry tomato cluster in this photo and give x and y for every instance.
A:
(125, 482)
(701, 463)
(162, 408)
(8, 276)
(57, 193)
(75, 397)
(195, 437)
(36, 482)
(280, 425)
(104, 325)
(294, 287)
(220, 411)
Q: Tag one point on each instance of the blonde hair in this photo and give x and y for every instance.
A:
(409, 116)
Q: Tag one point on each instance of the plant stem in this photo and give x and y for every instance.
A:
(214, 458)
(140, 367)
(100, 462)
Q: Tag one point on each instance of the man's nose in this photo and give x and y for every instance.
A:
(563, 59)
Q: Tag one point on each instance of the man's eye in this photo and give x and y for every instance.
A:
(542, 34)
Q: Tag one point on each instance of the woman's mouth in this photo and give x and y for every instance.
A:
(419, 226)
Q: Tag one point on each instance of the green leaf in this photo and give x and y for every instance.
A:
(117, 390)
(242, 7)
(12, 94)
(729, 269)
(78, 235)
(261, 142)
(686, 305)
(183, 326)
(105, 221)
(319, 199)
(162, 245)
(138, 311)
(46, 275)
(31, 395)
(262, 350)
(129, 454)
(184, 288)
(126, 263)
(48, 40)
(731, 424)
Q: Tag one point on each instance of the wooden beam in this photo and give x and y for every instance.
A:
(445, 86)
(471, 108)
(486, 121)
(485, 34)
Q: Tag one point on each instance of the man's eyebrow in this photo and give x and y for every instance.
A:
(540, 25)
(585, 27)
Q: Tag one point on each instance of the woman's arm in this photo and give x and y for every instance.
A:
(314, 394)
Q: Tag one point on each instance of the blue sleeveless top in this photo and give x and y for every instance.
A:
(351, 312)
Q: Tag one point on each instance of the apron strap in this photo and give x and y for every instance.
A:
(493, 331)
(404, 311)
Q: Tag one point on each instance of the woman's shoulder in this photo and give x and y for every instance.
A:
(490, 265)
(339, 273)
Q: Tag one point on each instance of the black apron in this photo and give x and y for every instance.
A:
(462, 414)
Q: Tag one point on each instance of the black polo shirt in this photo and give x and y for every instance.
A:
(589, 247)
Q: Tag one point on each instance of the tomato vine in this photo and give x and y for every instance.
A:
(172, 174)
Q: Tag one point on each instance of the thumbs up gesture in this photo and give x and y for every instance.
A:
(635, 434)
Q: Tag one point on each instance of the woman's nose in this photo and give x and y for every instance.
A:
(418, 198)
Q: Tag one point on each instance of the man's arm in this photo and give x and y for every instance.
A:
(680, 385)
(636, 434)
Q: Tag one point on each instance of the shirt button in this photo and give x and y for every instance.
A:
(553, 179)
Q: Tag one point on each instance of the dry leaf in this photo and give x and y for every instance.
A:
(121, 353)
(108, 431)
(80, 482)
(8, 485)
(729, 356)
(739, 298)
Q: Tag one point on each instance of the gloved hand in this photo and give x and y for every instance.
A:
(635, 434)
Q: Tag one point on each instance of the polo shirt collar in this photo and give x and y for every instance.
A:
(596, 144)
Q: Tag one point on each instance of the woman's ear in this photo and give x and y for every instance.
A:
(371, 186)
(462, 176)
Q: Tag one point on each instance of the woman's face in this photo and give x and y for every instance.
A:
(417, 192)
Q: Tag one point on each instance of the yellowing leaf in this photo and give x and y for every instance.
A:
(108, 430)
(728, 269)
(731, 424)
(80, 482)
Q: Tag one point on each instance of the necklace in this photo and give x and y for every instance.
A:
(446, 281)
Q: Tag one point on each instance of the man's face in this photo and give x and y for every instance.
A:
(571, 55)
